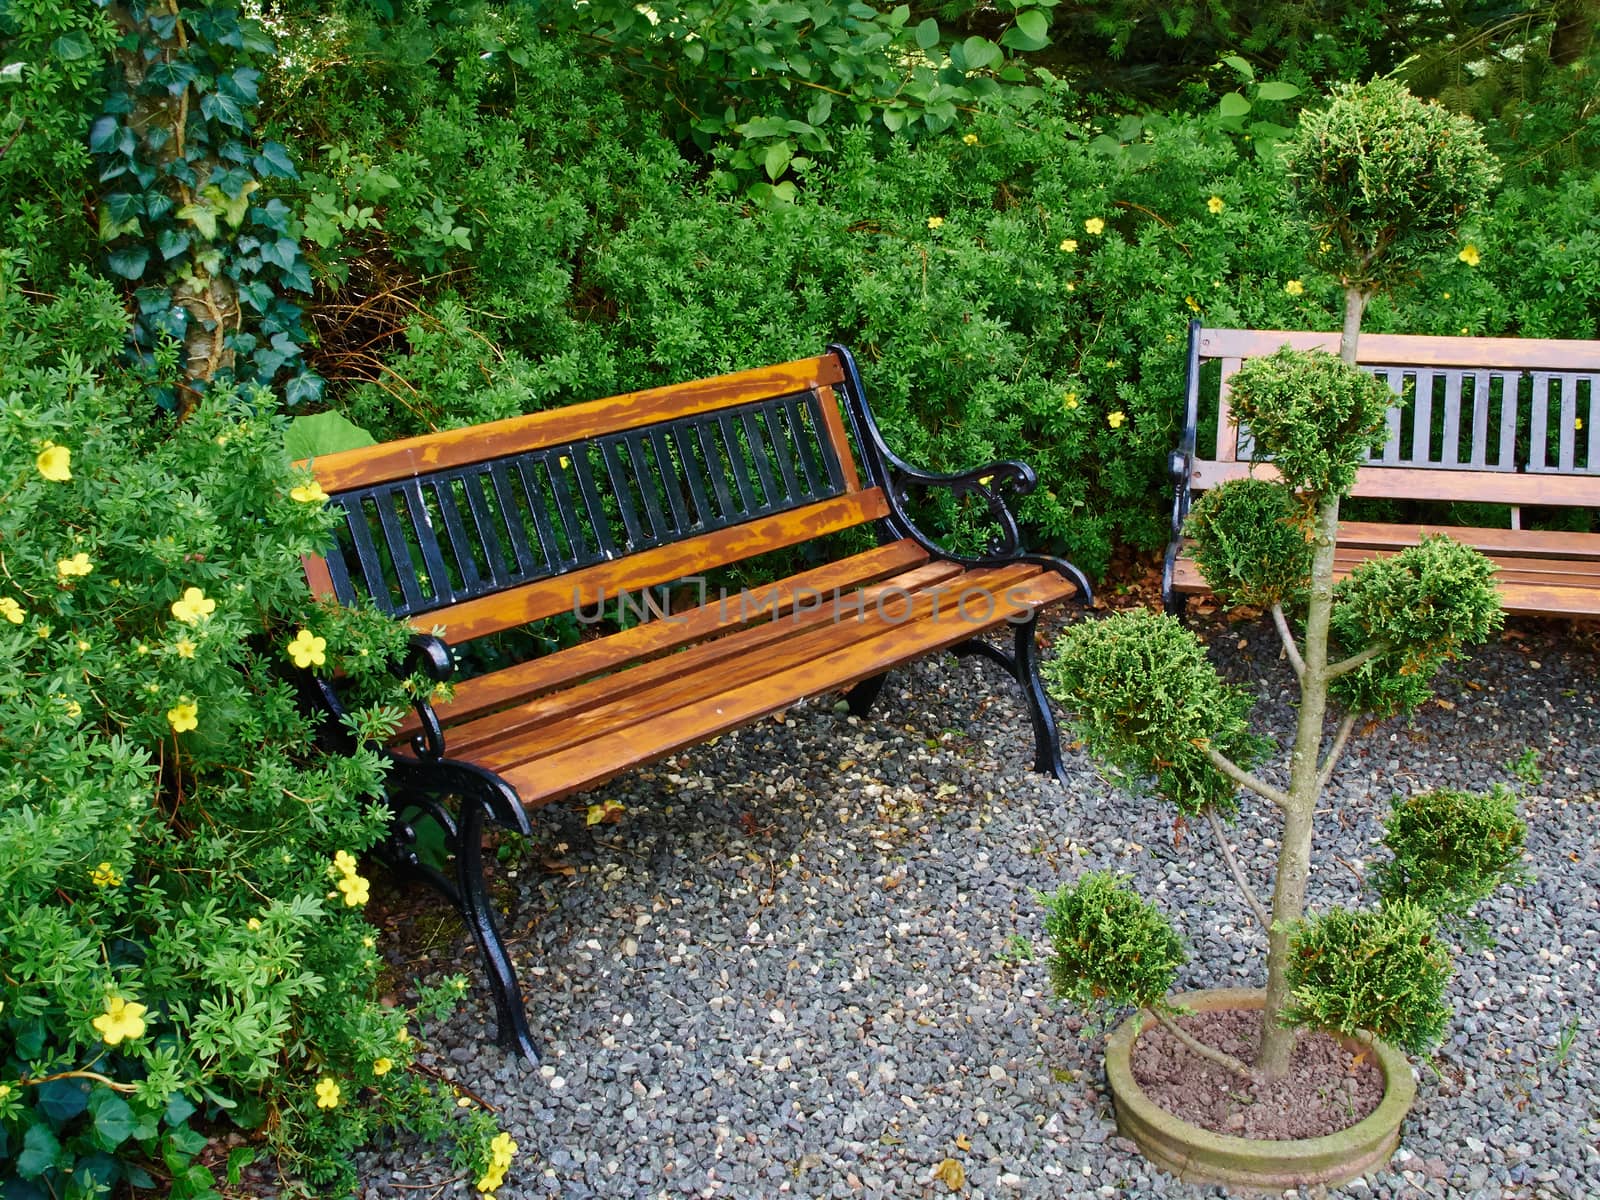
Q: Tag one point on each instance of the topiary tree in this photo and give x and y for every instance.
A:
(1383, 181)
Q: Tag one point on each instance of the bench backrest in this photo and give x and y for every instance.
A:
(1502, 420)
(485, 528)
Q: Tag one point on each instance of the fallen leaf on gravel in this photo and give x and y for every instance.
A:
(607, 813)
(889, 1139)
(952, 1173)
(556, 867)
(963, 1142)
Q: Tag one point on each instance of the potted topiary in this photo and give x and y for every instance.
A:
(1383, 180)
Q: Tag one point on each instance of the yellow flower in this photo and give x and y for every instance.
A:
(1069, 245)
(368, 942)
(1192, 303)
(1070, 400)
(11, 610)
(308, 650)
(382, 1066)
(403, 1036)
(327, 1092)
(1215, 204)
(503, 1149)
(74, 709)
(184, 647)
(184, 716)
(82, 645)
(1469, 255)
(1072, 287)
(935, 222)
(1095, 226)
(1295, 288)
(1324, 246)
(356, 890)
(42, 630)
(309, 493)
(54, 463)
(253, 924)
(105, 875)
(193, 607)
(78, 564)
(970, 139)
(120, 1020)
(1577, 422)
(344, 862)
(1116, 419)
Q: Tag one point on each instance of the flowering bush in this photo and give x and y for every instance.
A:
(182, 940)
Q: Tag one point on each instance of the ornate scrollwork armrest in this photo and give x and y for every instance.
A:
(430, 656)
(993, 484)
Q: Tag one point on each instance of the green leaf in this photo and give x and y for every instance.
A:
(1031, 32)
(239, 1158)
(323, 433)
(129, 262)
(70, 47)
(1244, 69)
(63, 1099)
(39, 1152)
(113, 1119)
(202, 216)
(927, 34)
(980, 53)
(1277, 90)
(777, 160)
(1233, 105)
(172, 242)
(820, 109)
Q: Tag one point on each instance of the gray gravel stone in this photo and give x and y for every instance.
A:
(793, 969)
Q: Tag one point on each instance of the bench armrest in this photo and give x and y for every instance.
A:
(431, 657)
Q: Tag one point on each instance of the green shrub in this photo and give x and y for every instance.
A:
(1382, 970)
(1451, 849)
(1252, 540)
(1108, 946)
(180, 891)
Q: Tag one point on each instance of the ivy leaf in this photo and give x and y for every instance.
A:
(171, 242)
(274, 160)
(304, 388)
(129, 262)
(63, 1099)
(103, 135)
(223, 109)
(203, 217)
(281, 253)
(70, 47)
(39, 1152)
(113, 1119)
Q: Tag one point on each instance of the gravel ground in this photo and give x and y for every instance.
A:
(799, 966)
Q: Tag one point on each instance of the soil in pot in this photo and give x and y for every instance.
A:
(1326, 1089)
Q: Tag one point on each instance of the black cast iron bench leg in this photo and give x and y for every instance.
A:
(482, 797)
(1022, 664)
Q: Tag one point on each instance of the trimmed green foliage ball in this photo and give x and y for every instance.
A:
(1424, 604)
(1316, 417)
(1252, 541)
(1451, 849)
(1145, 698)
(1383, 970)
(1384, 180)
(1108, 945)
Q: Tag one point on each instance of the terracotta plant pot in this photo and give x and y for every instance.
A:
(1198, 1155)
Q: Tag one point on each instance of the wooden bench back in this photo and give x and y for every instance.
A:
(489, 527)
(1501, 420)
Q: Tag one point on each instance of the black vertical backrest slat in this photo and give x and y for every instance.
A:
(782, 449)
(570, 521)
(671, 480)
(367, 553)
(617, 475)
(338, 572)
(646, 478)
(428, 542)
(758, 454)
(399, 549)
(528, 473)
(592, 504)
(683, 437)
(474, 484)
(739, 467)
(717, 468)
(830, 456)
(461, 542)
(805, 450)
(530, 561)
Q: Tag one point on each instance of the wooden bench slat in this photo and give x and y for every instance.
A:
(1497, 543)
(660, 564)
(544, 778)
(576, 663)
(458, 447)
(1413, 349)
(750, 651)
(1409, 483)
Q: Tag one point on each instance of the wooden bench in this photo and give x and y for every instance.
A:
(1507, 421)
(477, 531)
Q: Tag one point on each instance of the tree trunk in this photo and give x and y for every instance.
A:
(1574, 31)
(1294, 858)
(1355, 303)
